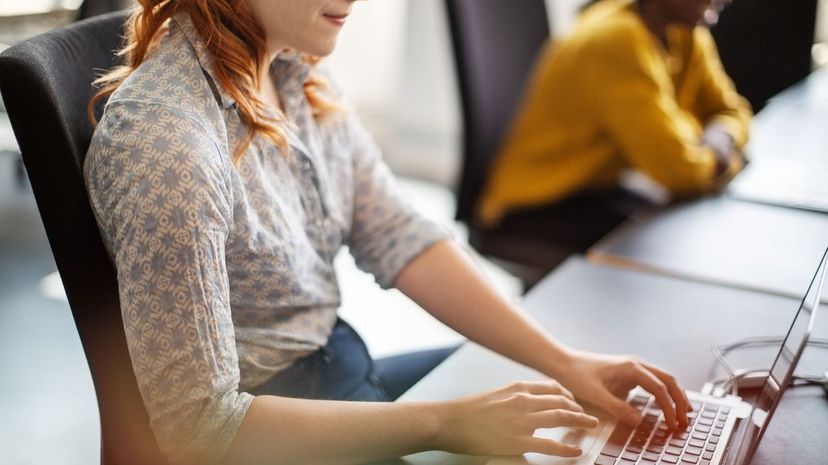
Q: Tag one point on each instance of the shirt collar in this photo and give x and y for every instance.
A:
(289, 69)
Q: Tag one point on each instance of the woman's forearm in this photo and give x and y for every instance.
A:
(446, 282)
(280, 430)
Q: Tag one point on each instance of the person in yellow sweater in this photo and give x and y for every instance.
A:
(638, 84)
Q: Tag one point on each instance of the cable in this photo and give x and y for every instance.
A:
(754, 377)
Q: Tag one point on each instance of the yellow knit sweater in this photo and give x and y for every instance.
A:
(609, 97)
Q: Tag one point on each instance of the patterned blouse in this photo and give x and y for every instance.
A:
(226, 272)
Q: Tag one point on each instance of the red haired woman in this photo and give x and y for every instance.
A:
(225, 177)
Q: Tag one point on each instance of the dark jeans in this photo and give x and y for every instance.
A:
(344, 370)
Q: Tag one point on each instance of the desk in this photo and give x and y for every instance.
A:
(811, 91)
(748, 245)
(788, 148)
(596, 308)
(722, 241)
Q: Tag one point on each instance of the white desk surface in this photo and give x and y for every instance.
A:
(613, 310)
(722, 241)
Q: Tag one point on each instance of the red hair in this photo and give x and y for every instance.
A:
(235, 41)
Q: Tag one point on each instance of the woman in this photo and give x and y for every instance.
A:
(637, 84)
(225, 177)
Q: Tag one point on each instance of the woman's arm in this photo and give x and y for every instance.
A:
(279, 430)
(445, 281)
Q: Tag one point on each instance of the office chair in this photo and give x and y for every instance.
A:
(495, 43)
(782, 31)
(46, 85)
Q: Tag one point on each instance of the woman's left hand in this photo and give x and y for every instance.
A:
(606, 380)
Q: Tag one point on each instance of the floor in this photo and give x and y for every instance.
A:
(48, 413)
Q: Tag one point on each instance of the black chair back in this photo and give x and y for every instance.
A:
(46, 85)
(765, 45)
(495, 43)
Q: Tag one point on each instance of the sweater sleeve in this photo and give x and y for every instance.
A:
(717, 99)
(634, 101)
(387, 231)
(161, 195)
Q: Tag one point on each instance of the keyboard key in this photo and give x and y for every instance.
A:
(616, 441)
(704, 462)
(708, 414)
(714, 440)
(696, 405)
(705, 421)
(677, 442)
(720, 424)
(725, 410)
(707, 455)
(684, 435)
(635, 449)
(699, 435)
(710, 408)
(667, 458)
(673, 450)
(629, 456)
(711, 447)
(690, 458)
(717, 432)
(625, 462)
(655, 448)
(693, 450)
(604, 460)
(697, 443)
(702, 428)
(650, 456)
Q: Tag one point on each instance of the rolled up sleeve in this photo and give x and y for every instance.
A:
(160, 191)
(386, 233)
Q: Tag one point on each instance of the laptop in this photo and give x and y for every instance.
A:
(785, 182)
(789, 166)
(721, 431)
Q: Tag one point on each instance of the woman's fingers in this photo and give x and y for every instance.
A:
(562, 418)
(616, 407)
(677, 394)
(553, 402)
(548, 386)
(653, 385)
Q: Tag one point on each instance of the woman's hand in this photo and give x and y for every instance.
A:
(606, 380)
(502, 422)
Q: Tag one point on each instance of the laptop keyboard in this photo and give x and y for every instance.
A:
(653, 443)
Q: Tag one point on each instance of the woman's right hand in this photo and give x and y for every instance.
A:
(503, 422)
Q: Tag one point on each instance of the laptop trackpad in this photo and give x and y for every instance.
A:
(583, 438)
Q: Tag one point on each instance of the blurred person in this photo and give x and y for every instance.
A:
(638, 84)
(225, 174)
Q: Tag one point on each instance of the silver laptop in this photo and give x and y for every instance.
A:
(786, 182)
(722, 431)
(789, 162)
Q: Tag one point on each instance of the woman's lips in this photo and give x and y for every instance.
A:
(338, 20)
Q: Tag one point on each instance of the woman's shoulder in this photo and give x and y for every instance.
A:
(171, 79)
